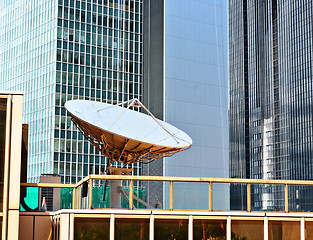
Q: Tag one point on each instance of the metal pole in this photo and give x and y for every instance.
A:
(210, 197)
(171, 195)
(249, 197)
(90, 194)
(131, 195)
(74, 198)
(286, 198)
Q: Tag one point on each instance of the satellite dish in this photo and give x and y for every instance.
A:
(125, 135)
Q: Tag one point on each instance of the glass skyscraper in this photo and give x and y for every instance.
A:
(58, 50)
(271, 108)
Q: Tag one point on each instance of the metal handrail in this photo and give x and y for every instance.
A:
(198, 179)
(169, 179)
(48, 185)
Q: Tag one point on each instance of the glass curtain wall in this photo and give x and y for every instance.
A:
(99, 58)
(270, 72)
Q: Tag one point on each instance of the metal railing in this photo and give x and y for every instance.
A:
(172, 180)
(79, 202)
(48, 185)
(31, 199)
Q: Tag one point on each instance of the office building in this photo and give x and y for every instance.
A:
(58, 50)
(171, 55)
(270, 115)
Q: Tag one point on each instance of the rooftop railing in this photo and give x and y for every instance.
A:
(133, 198)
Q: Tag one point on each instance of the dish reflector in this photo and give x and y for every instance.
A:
(125, 135)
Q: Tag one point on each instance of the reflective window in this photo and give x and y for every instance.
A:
(278, 230)
(131, 229)
(209, 229)
(170, 229)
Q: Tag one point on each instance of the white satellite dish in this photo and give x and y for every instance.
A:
(125, 135)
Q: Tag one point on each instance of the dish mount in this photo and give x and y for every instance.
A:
(125, 136)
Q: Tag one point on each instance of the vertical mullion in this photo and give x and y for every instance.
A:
(265, 228)
(190, 228)
(6, 167)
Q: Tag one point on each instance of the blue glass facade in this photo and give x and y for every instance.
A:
(195, 94)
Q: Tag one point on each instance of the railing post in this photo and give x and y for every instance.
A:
(171, 195)
(249, 197)
(131, 195)
(210, 197)
(90, 193)
(286, 198)
(74, 198)
(78, 197)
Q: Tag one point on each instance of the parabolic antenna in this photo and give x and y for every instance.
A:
(125, 135)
